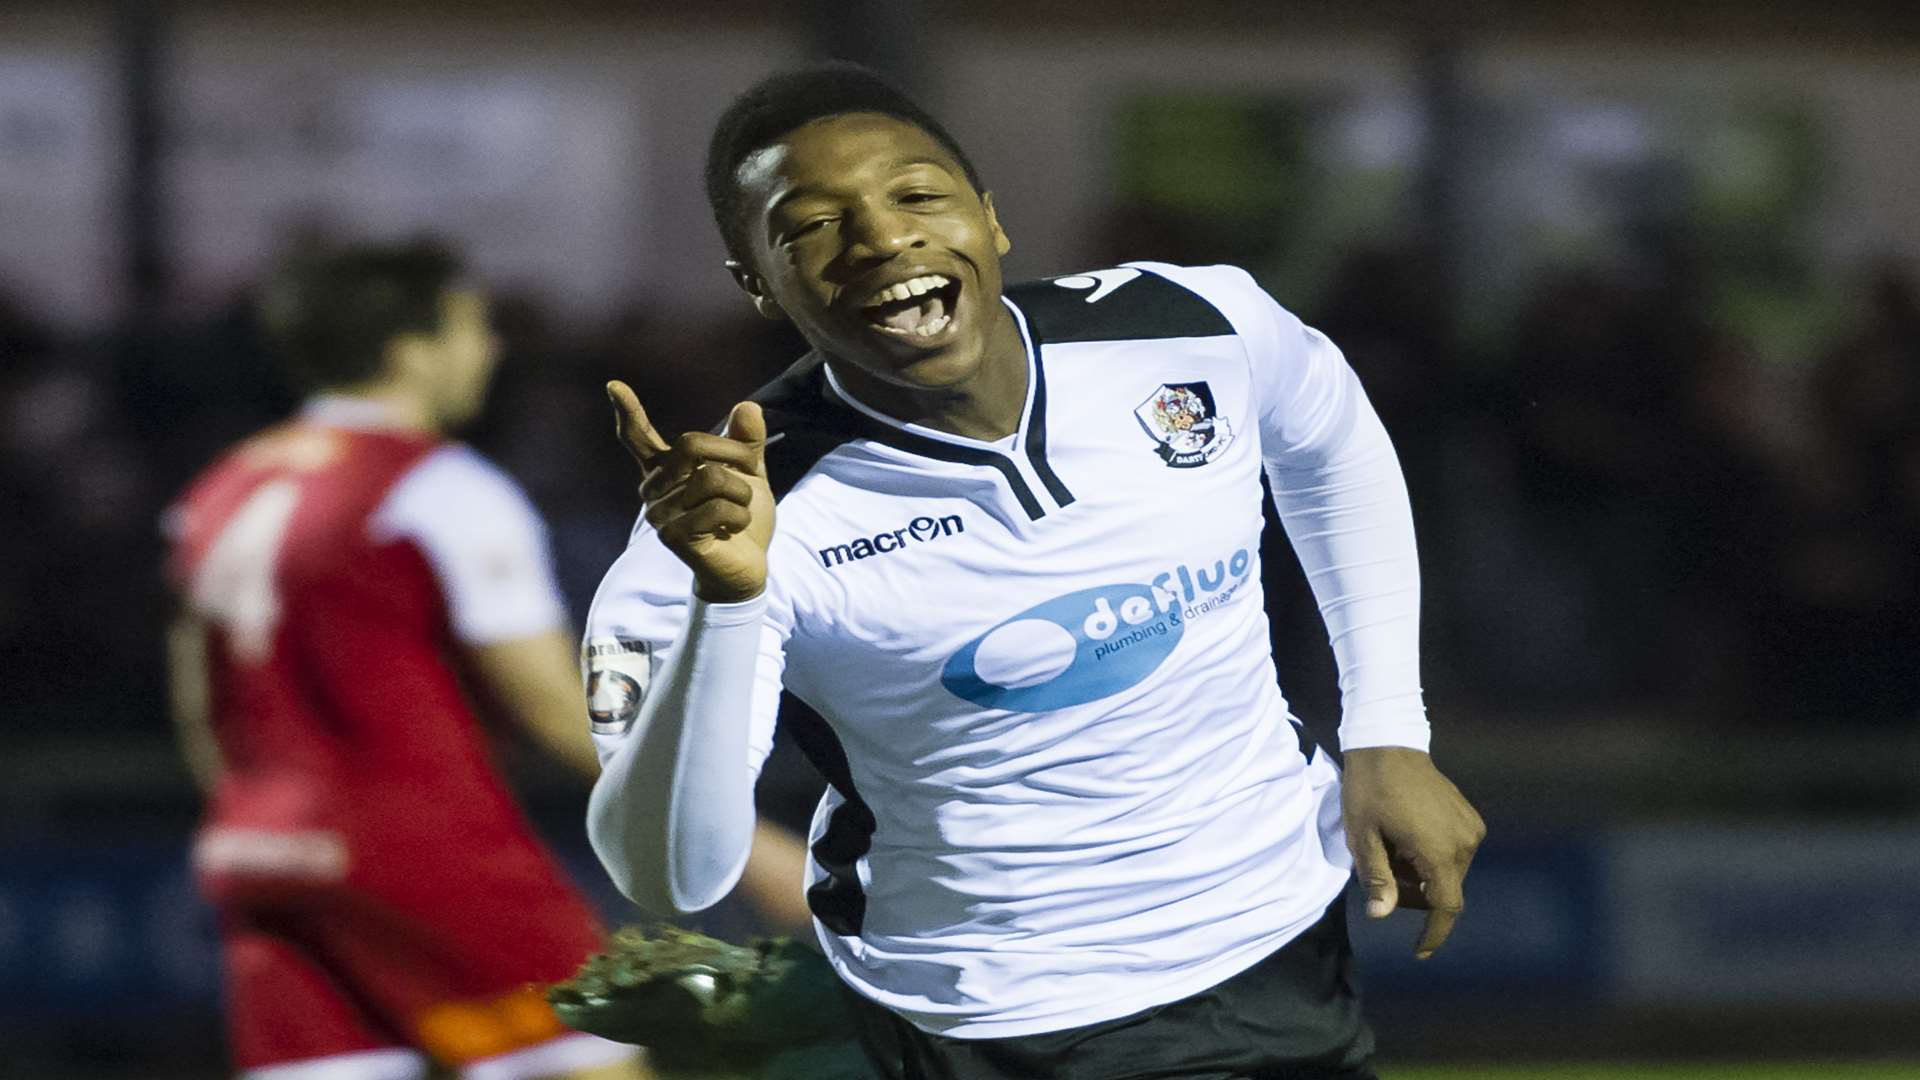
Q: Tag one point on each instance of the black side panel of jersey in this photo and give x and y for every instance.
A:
(803, 426)
(1145, 307)
(837, 900)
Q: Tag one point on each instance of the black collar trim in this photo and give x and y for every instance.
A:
(1037, 414)
(829, 418)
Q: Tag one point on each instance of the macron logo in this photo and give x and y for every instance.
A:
(922, 529)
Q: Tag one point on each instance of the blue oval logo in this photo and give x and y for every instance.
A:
(1068, 651)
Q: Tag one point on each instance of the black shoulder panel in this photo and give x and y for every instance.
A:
(803, 424)
(1115, 305)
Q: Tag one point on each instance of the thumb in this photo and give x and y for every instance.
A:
(1376, 875)
(747, 424)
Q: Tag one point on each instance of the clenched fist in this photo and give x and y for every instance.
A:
(706, 495)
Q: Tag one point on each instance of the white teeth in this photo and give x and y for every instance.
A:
(902, 290)
(926, 329)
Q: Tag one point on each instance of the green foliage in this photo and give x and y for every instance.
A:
(704, 1007)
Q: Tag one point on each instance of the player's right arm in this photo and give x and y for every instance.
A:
(672, 816)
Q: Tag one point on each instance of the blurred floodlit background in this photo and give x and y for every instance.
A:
(1636, 286)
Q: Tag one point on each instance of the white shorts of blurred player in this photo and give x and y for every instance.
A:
(556, 1057)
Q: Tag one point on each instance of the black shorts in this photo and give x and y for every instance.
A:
(1293, 1016)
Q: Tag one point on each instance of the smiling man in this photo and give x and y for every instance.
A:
(1072, 826)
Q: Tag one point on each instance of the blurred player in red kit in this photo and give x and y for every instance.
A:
(347, 580)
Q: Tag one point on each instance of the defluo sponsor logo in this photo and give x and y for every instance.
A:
(1091, 643)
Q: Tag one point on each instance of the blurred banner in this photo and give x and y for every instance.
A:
(1709, 915)
(528, 169)
(1723, 916)
(60, 163)
(105, 924)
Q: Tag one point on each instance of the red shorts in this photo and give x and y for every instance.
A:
(442, 949)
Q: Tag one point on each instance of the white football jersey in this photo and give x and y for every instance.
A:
(1065, 785)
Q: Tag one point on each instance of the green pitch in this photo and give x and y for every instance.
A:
(844, 1063)
(1603, 1071)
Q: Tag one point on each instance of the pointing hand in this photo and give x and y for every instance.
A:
(706, 495)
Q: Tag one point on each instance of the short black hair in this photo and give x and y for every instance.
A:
(780, 103)
(332, 313)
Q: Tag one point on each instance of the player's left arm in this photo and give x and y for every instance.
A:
(1338, 487)
(1412, 834)
(489, 554)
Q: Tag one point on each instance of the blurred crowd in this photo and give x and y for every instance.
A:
(1627, 508)
(1636, 505)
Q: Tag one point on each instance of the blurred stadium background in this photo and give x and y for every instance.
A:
(1636, 285)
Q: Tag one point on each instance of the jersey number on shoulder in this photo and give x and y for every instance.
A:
(234, 584)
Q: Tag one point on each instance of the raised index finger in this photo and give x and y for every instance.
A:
(631, 426)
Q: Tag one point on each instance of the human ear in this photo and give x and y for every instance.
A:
(412, 359)
(1000, 242)
(756, 288)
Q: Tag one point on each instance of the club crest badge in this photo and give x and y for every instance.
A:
(618, 671)
(1181, 418)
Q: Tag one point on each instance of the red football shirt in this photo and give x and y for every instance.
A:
(336, 563)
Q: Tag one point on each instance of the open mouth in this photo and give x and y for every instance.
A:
(919, 307)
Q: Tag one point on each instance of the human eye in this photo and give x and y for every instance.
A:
(808, 227)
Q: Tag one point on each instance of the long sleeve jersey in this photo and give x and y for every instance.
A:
(1064, 782)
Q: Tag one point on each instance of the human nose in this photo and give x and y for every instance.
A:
(882, 233)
